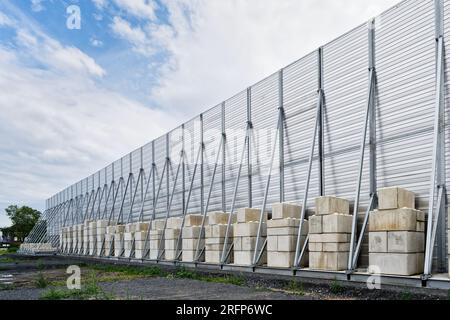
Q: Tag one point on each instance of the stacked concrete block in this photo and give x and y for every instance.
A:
(215, 233)
(76, 244)
(156, 241)
(80, 233)
(448, 243)
(140, 235)
(329, 234)
(282, 233)
(119, 240)
(245, 233)
(109, 242)
(92, 235)
(101, 226)
(396, 234)
(191, 232)
(171, 236)
(128, 238)
(85, 246)
(37, 248)
(70, 240)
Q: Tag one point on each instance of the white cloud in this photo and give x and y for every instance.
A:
(100, 4)
(96, 42)
(36, 5)
(58, 125)
(5, 21)
(135, 35)
(218, 48)
(144, 9)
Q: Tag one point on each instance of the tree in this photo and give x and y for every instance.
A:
(23, 220)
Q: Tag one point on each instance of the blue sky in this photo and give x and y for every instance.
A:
(73, 101)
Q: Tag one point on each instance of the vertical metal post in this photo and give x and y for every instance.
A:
(249, 148)
(153, 178)
(281, 133)
(169, 166)
(202, 165)
(438, 168)
(321, 177)
(372, 116)
(224, 140)
(183, 169)
(369, 122)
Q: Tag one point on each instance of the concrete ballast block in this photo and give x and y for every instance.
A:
(285, 210)
(378, 241)
(406, 242)
(250, 215)
(395, 198)
(329, 205)
(406, 264)
(393, 220)
(337, 223)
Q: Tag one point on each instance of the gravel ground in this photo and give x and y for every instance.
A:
(24, 272)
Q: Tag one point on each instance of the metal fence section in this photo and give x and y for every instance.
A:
(364, 111)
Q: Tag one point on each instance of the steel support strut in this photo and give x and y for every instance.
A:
(298, 253)
(437, 182)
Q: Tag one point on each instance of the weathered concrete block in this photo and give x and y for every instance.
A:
(395, 198)
(194, 220)
(120, 228)
(285, 222)
(406, 242)
(154, 255)
(405, 264)
(272, 243)
(139, 254)
(128, 236)
(191, 232)
(329, 205)
(130, 227)
(172, 233)
(280, 259)
(315, 246)
(214, 247)
(247, 243)
(215, 240)
(188, 255)
(315, 224)
(171, 244)
(249, 229)
(174, 223)
(245, 215)
(289, 243)
(337, 223)
(393, 220)
(170, 255)
(378, 241)
(286, 210)
(245, 258)
(218, 231)
(333, 261)
(329, 237)
(218, 217)
(213, 256)
(336, 247)
(157, 224)
(420, 226)
(140, 235)
(141, 226)
(102, 223)
(191, 244)
(282, 231)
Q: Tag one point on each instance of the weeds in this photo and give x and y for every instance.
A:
(406, 295)
(41, 282)
(336, 287)
(91, 291)
(296, 288)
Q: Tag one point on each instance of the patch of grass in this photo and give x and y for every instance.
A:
(41, 282)
(406, 295)
(296, 288)
(5, 287)
(183, 273)
(336, 287)
(7, 260)
(90, 291)
(40, 265)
